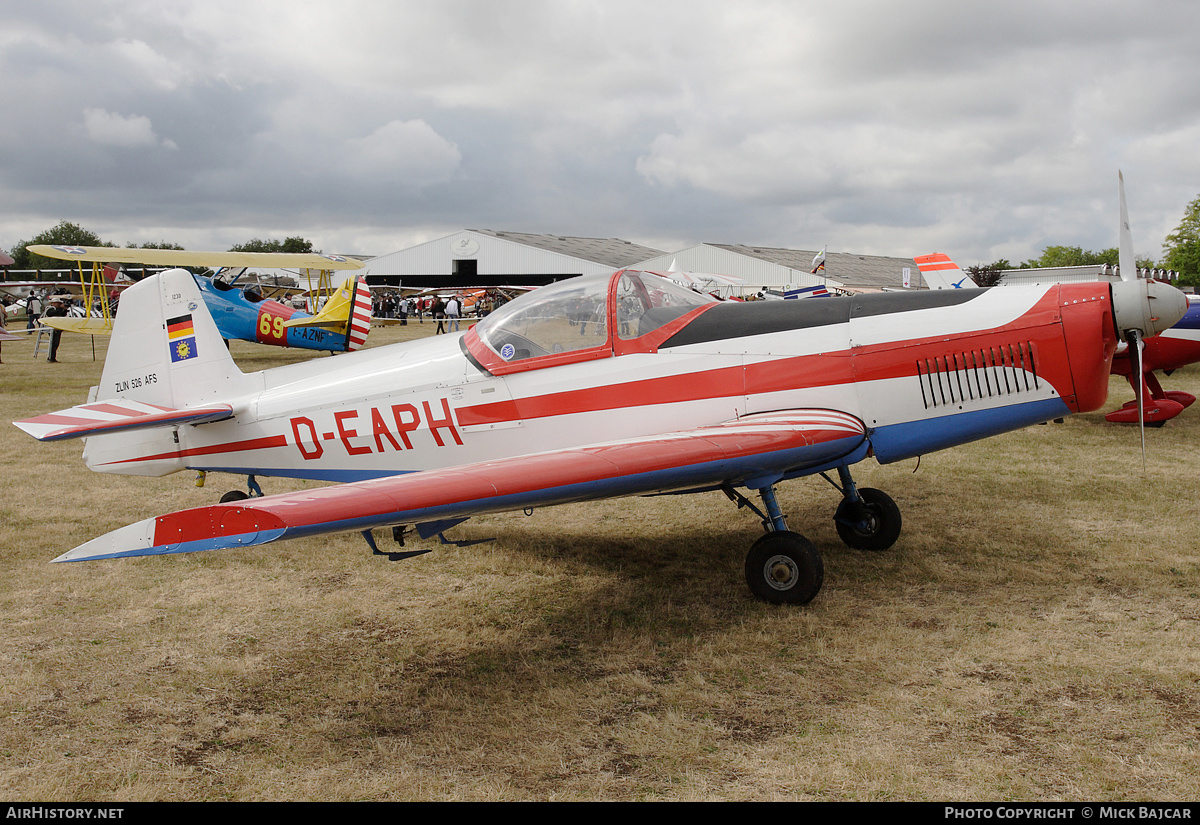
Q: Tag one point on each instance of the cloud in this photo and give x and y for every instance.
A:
(868, 125)
(110, 129)
(409, 152)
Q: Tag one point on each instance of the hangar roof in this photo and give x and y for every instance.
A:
(862, 271)
(612, 252)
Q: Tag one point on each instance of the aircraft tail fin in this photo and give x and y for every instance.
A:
(940, 272)
(360, 316)
(347, 312)
(166, 348)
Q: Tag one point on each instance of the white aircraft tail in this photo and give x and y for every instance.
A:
(940, 272)
(165, 347)
(167, 366)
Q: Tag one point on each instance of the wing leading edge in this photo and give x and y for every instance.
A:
(752, 451)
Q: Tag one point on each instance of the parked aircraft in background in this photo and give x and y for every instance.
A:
(710, 282)
(240, 313)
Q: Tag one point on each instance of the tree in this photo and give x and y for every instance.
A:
(1073, 256)
(64, 233)
(296, 244)
(1078, 256)
(985, 275)
(1181, 249)
(159, 245)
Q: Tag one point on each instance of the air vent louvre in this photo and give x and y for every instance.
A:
(974, 375)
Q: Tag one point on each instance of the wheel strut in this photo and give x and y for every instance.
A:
(777, 523)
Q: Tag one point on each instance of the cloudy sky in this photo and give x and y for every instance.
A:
(984, 130)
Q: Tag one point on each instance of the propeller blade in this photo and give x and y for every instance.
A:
(1125, 256)
(1136, 345)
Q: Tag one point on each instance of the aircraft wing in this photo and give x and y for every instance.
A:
(115, 416)
(183, 257)
(86, 326)
(752, 451)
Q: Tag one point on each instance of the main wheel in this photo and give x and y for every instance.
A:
(783, 567)
(874, 524)
(234, 495)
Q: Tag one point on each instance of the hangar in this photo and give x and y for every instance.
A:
(484, 257)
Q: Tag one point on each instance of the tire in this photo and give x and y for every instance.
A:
(783, 567)
(234, 495)
(874, 526)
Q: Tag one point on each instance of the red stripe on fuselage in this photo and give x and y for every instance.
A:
(266, 443)
(877, 362)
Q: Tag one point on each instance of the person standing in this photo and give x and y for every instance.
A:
(439, 313)
(453, 311)
(33, 309)
(56, 310)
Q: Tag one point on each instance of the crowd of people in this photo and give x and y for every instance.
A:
(446, 311)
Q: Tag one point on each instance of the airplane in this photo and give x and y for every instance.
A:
(240, 314)
(671, 392)
(710, 282)
(1173, 348)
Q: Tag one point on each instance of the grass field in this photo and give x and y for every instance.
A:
(1034, 635)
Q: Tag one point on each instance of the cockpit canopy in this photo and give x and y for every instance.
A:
(585, 316)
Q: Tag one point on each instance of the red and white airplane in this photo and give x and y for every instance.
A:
(661, 390)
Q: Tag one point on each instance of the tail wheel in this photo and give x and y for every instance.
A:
(872, 523)
(783, 567)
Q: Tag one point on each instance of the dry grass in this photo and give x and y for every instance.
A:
(1033, 635)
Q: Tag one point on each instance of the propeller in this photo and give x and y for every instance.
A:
(1140, 308)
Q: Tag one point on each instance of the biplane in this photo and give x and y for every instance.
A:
(241, 312)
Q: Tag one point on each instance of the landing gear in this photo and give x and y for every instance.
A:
(783, 567)
(252, 491)
(872, 523)
(866, 519)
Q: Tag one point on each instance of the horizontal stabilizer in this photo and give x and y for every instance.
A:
(745, 452)
(117, 415)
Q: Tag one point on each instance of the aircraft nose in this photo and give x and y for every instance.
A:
(1147, 306)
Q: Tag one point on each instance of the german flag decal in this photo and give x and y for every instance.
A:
(181, 337)
(180, 327)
